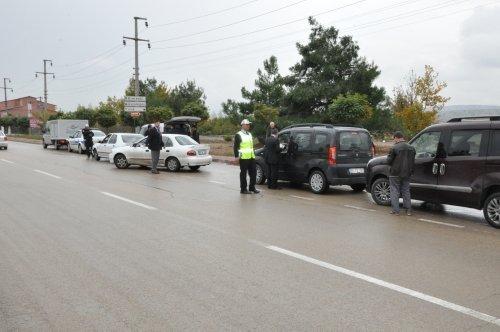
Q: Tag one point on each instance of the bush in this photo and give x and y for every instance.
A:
(228, 138)
(217, 126)
(162, 114)
(352, 109)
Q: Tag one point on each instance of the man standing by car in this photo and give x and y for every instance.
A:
(243, 151)
(87, 138)
(270, 128)
(155, 143)
(272, 156)
(401, 159)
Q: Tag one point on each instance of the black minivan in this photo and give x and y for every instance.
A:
(456, 163)
(321, 155)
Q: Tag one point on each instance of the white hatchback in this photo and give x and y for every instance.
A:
(114, 140)
(179, 151)
(3, 141)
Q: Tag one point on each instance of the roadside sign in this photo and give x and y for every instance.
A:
(135, 104)
(135, 114)
(33, 123)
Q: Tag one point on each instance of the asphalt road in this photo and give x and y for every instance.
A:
(86, 246)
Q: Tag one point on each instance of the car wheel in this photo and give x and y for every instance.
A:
(358, 187)
(96, 155)
(491, 210)
(172, 164)
(194, 168)
(381, 192)
(260, 177)
(80, 150)
(121, 161)
(44, 145)
(318, 182)
(69, 148)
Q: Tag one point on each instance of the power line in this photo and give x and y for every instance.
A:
(45, 73)
(204, 15)
(97, 60)
(94, 57)
(230, 24)
(136, 40)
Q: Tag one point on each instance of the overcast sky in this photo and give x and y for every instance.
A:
(460, 39)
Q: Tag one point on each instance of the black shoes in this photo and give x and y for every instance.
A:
(246, 192)
(255, 191)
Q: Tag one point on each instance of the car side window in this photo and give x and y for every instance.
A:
(112, 139)
(106, 139)
(302, 141)
(465, 143)
(426, 145)
(284, 139)
(494, 148)
(321, 142)
(167, 142)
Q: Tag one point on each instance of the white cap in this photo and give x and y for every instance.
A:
(245, 122)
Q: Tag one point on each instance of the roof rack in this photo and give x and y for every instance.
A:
(309, 125)
(475, 118)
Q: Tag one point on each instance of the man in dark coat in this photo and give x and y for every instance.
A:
(88, 139)
(155, 143)
(401, 159)
(272, 152)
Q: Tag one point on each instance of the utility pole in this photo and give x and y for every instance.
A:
(45, 73)
(5, 88)
(136, 39)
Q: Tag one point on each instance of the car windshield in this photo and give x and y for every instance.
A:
(131, 138)
(354, 140)
(98, 133)
(185, 140)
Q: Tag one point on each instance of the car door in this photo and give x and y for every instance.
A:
(137, 154)
(101, 147)
(301, 155)
(168, 149)
(110, 144)
(73, 141)
(428, 147)
(283, 167)
(461, 168)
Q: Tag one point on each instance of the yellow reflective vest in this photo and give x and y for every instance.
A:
(246, 146)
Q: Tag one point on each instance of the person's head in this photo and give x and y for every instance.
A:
(87, 127)
(157, 124)
(245, 125)
(274, 132)
(272, 124)
(398, 136)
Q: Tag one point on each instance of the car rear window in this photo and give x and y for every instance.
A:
(349, 140)
(131, 138)
(185, 140)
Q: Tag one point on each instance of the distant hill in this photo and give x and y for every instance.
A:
(460, 111)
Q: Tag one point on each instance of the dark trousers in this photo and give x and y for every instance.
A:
(88, 148)
(400, 187)
(272, 176)
(247, 165)
(155, 158)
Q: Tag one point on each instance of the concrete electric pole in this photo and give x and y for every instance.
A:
(45, 73)
(136, 39)
(5, 88)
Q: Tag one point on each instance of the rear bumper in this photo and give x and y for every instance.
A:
(339, 174)
(3, 143)
(197, 161)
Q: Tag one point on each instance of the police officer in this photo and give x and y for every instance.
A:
(243, 151)
(89, 142)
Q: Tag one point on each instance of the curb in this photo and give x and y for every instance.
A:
(24, 140)
(224, 160)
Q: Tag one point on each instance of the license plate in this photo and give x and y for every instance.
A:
(356, 170)
(202, 152)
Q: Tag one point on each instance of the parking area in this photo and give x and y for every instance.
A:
(87, 245)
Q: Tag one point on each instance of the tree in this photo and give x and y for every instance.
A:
(231, 109)
(183, 94)
(269, 88)
(161, 114)
(351, 109)
(330, 66)
(417, 102)
(23, 123)
(195, 108)
(106, 116)
(85, 113)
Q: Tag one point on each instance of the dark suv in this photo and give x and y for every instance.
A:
(456, 163)
(321, 155)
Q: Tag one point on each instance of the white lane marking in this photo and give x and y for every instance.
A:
(300, 197)
(217, 182)
(394, 287)
(7, 161)
(359, 208)
(441, 223)
(129, 201)
(48, 174)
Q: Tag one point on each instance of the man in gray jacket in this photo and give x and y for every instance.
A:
(401, 159)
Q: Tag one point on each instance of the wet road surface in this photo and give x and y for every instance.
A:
(84, 245)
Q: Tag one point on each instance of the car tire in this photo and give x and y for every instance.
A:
(260, 175)
(172, 164)
(491, 210)
(318, 182)
(121, 161)
(358, 187)
(96, 155)
(381, 192)
(194, 168)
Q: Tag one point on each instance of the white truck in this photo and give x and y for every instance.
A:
(57, 132)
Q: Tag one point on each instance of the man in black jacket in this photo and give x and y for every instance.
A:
(401, 159)
(272, 156)
(155, 143)
(89, 142)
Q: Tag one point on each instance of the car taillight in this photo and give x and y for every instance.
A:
(191, 153)
(332, 156)
(373, 150)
